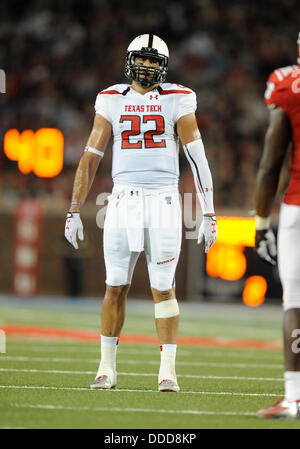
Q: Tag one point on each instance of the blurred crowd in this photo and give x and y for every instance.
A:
(58, 55)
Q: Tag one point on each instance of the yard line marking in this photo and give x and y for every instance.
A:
(91, 335)
(49, 371)
(130, 410)
(71, 346)
(188, 376)
(124, 350)
(47, 359)
(141, 362)
(245, 354)
(127, 390)
(208, 364)
(43, 387)
(17, 341)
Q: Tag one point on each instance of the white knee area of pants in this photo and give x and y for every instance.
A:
(162, 280)
(291, 295)
(117, 277)
(166, 309)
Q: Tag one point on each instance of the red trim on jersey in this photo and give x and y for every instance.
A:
(175, 91)
(110, 92)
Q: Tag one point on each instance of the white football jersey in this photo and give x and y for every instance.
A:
(145, 142)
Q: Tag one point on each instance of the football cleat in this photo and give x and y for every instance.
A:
(168, 385)
(102, 383)
(281, 409)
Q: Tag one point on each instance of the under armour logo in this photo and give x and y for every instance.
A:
(154, 97)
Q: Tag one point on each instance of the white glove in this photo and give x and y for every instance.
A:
(208, 230)
(265, 245)
(73, 226)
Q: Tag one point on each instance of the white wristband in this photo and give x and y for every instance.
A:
(93, 150)
(262, 223)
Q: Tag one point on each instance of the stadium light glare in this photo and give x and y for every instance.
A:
(12, 144)
(226, 258)
(226, 261)
(238, 231)
(48, 161)
(254, 291)
(40, 152)
(26, 151)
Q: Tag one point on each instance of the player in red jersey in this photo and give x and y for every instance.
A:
(282, 97)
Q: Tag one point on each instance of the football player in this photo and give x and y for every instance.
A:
(146, 119)
(283, 99)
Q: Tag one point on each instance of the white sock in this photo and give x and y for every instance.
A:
(107, 364)
(292, 385)
(167, 362)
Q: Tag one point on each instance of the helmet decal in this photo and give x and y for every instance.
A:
(150, 43)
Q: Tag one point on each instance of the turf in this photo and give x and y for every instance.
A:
(44, 383)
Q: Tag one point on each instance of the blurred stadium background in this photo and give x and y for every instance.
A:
(57, 56)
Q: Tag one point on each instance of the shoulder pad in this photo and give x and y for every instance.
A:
(281, 73)
(173, 88)
(116, 89)
(281, 92)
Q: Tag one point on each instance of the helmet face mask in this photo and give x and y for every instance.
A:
(147, 47)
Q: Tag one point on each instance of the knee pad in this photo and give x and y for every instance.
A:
(161, 284)
(166, 309)
(119, 271)
(291, 295)
(117, 276)
(162, 279)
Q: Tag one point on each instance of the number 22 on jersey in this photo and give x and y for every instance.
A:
(135, 130)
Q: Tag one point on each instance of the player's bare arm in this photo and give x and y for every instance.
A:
(90, 160)
(277, 139)
(190, 137)
(84, 177)
(187, 129)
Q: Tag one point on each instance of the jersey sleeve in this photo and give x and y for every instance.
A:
(279, 91)
(271, 96)
(186, 104)
(102, 106)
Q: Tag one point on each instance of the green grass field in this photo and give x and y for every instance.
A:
(44, 383)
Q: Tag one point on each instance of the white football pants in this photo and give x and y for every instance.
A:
(288, 242)
(137, 220)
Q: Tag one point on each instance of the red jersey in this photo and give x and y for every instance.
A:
(283, 90)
